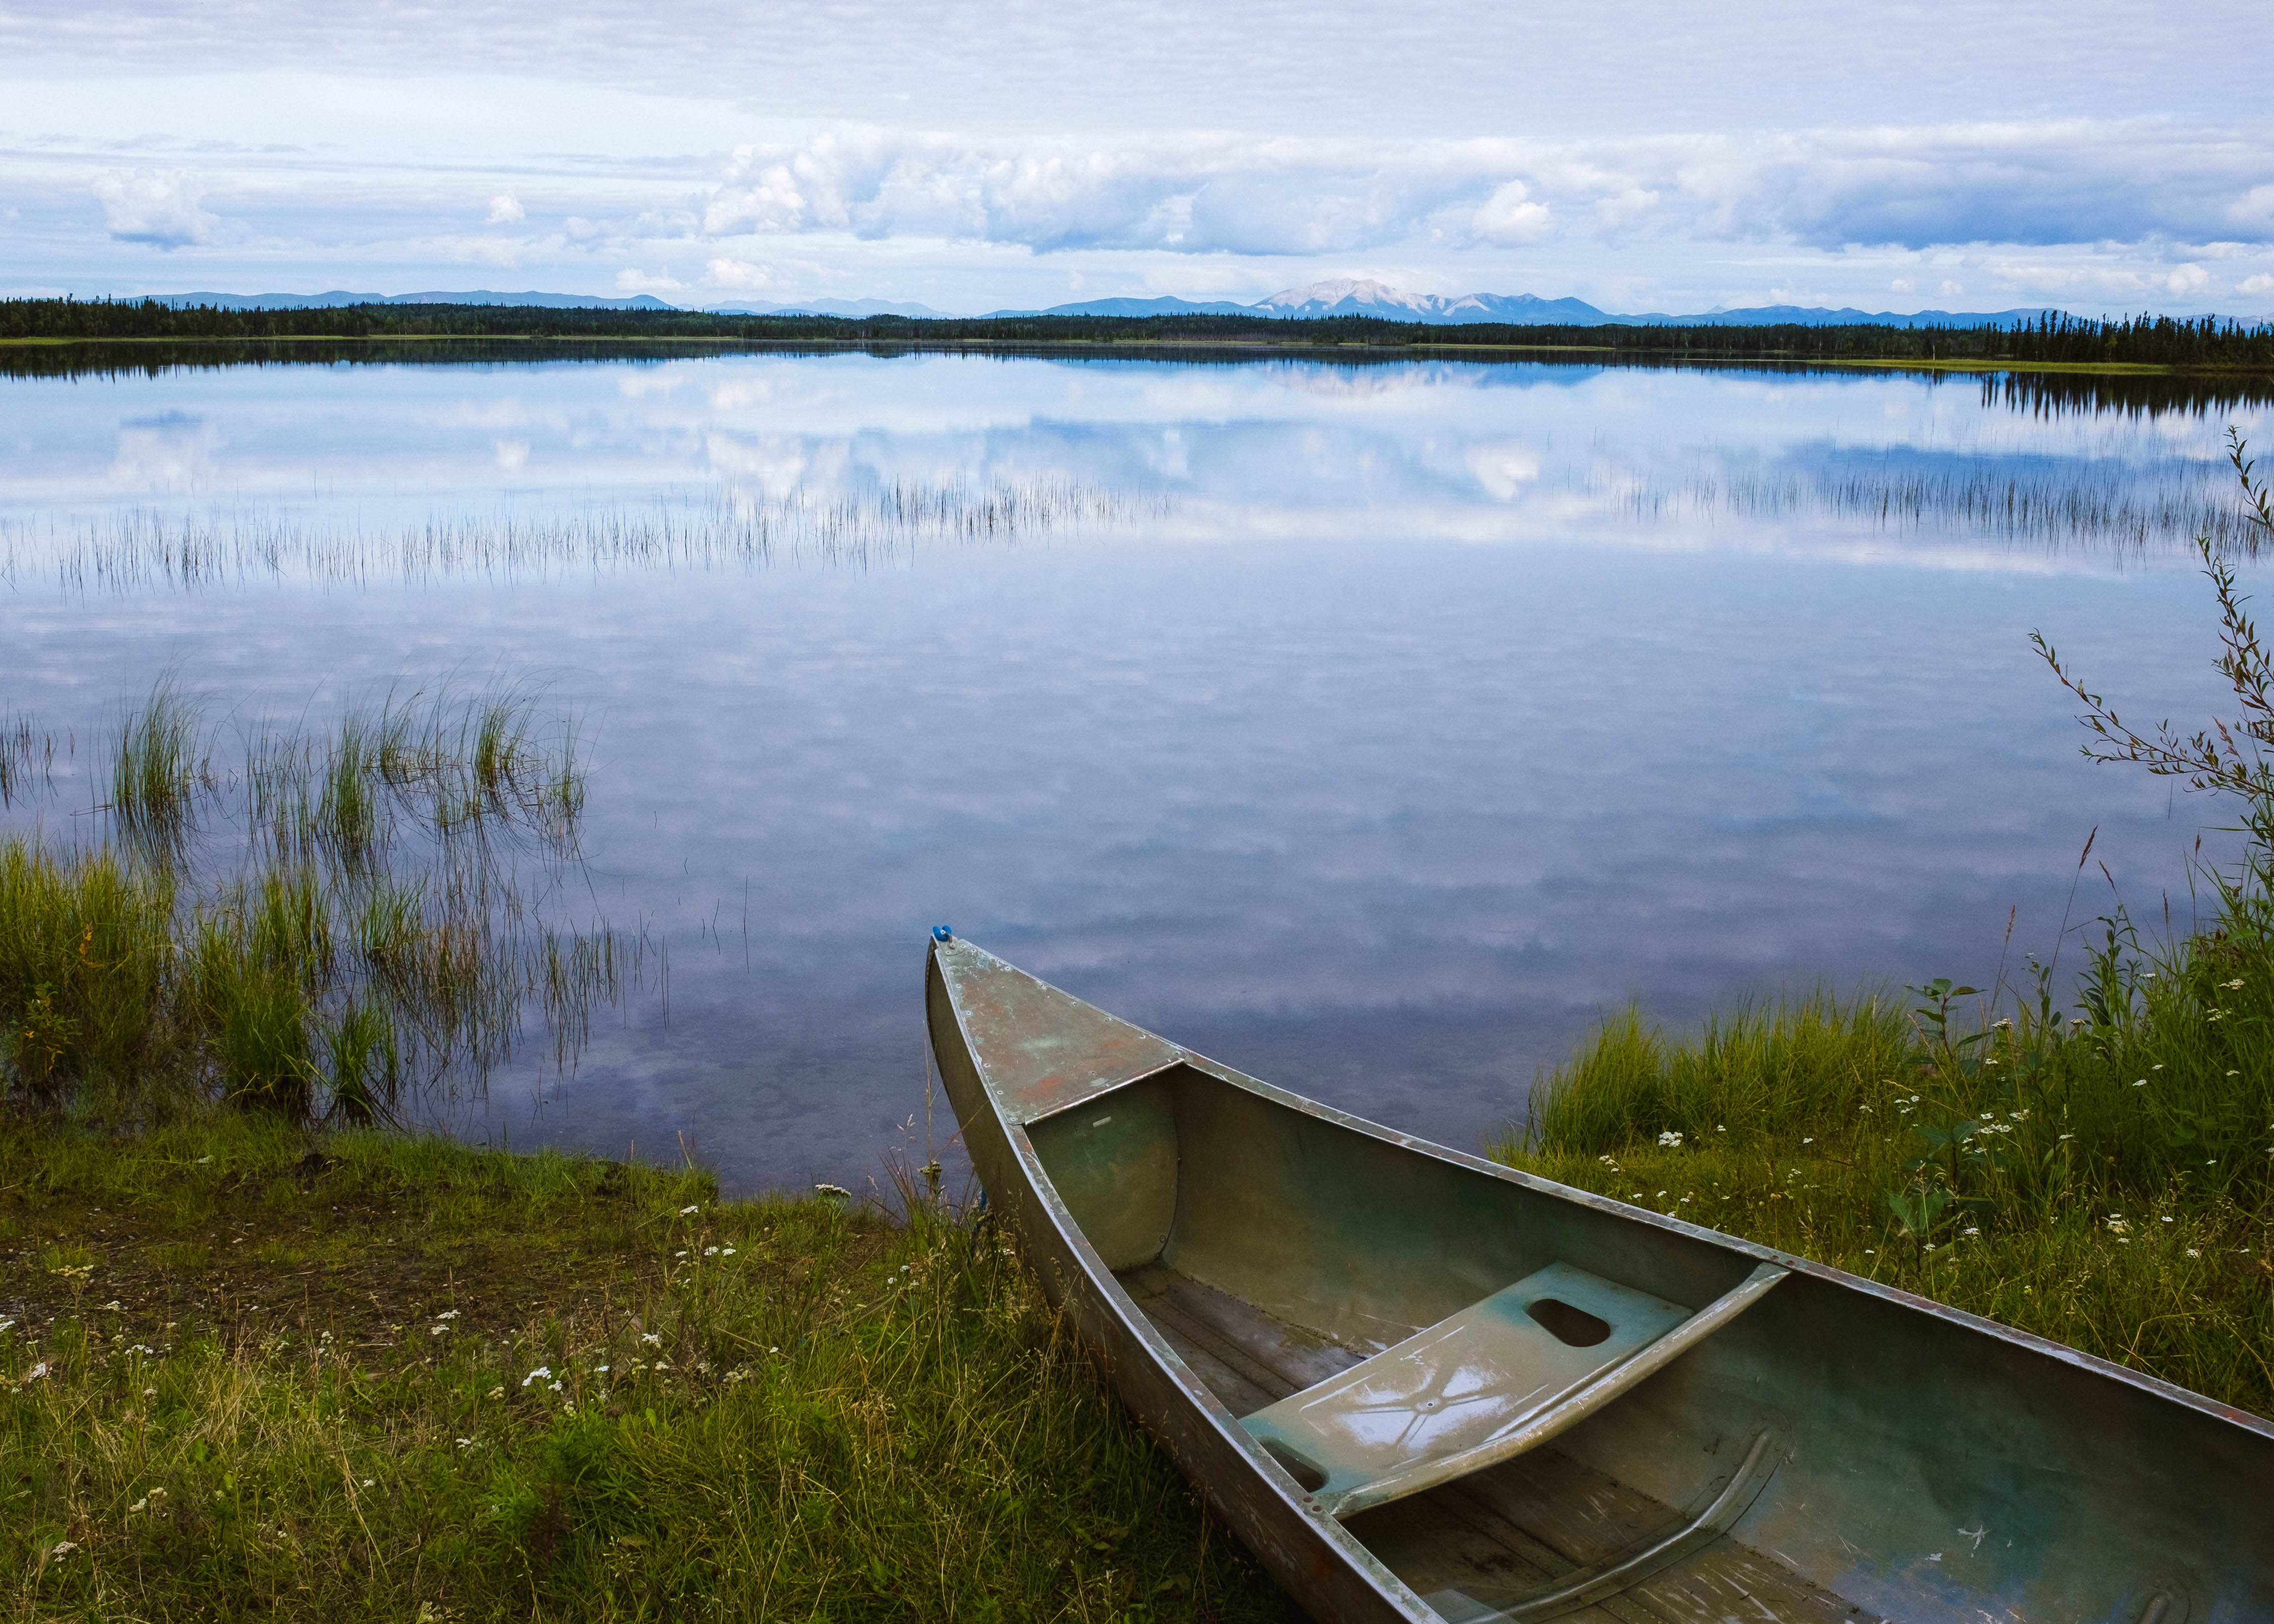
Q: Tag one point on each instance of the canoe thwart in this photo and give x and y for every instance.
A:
(1502, 1376)
(1589, 1586)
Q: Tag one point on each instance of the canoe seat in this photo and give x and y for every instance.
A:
(1502, 1376)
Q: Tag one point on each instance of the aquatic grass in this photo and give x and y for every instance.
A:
(712, 529)
(158, 767)
(28, 759)
(545, 1386)
(336, 927)
(87, 964)
(2110, 510)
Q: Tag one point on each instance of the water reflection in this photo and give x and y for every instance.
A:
(1377, 727)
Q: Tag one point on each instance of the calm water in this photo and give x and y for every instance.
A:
(1375, 728)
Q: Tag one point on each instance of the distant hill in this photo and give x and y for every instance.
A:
(1137, 308)
(1817, 316)
(831, 307)
(335, 299)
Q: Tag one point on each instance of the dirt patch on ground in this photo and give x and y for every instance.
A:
(367, 1267)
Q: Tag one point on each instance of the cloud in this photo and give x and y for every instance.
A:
(159, 208)
(2260, 283)
(506, 210)
(1507, 218)
(738, 273)
(633, 280)
(2186, 279)
(1902, 284)
(2067, 182)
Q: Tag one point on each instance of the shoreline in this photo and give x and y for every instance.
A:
(1261, 347)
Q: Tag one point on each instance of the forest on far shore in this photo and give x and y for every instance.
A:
(2207, 343)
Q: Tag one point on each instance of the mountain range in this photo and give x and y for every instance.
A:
(1343, 298)
(1379, 299)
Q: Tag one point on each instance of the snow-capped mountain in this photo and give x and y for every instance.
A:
(1349, 297)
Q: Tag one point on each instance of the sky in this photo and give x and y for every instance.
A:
(1641, 155)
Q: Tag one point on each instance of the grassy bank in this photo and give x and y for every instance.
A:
(2031, 1177)
(258, 1357)
(365, 1375)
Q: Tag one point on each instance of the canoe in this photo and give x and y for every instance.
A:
(1422, 1386)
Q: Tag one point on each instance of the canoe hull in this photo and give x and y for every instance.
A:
(1929, 1466)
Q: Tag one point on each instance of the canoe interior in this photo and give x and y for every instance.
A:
(1491, 1538)
(1920, 1470)
(1503, 1532)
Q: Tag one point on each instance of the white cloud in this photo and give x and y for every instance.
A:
(1950, 289)
(633, 280)
(2186, 279)
(2039, 185)
(159, 207)
(1507, 217)
(2260, 283)
(1902, 284)
(738, 273)
(506, 210)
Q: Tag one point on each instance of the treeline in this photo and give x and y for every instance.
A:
(2163, 341)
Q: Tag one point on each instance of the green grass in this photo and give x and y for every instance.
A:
(326, 929)
(368, 1376)
(2102, 1181)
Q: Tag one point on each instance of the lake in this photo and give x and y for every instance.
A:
(1375, 726)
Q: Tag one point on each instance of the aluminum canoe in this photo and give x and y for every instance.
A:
(1422, 1386)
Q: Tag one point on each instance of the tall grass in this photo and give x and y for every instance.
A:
(543, 1386)
(332, 926)
(157, 769)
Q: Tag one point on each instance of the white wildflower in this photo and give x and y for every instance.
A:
(1669, 1139)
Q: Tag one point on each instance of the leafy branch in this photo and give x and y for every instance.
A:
(2226, 755)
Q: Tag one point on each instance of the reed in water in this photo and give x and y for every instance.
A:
(318, 924)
